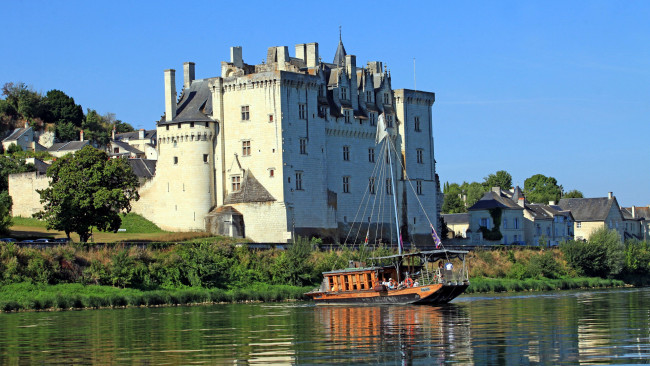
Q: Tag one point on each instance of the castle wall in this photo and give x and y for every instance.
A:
(22, 189)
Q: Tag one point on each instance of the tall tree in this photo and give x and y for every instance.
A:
(542, 189)
(10, 165)
(453, 202)
(87, 190)
(62, 108)
(501, 179)
(95, 129)
(474, 192)
(573, 194)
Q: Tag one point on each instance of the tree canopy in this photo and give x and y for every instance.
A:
(542, 189)
(501, 179)
(87, 190)
(573, 194)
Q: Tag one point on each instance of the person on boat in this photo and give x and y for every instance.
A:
(449, 266)
(391, 284)
(416, 283)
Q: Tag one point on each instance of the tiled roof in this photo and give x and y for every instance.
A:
(538, 212)
(134, 135)
(456, 219)
(15, 135)
(143, 168)
(339, 56)
(588, 209)
(494, 200)
(195, 104)
(68, 146)
(127, 147)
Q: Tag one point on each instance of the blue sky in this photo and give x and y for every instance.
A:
(554, 87)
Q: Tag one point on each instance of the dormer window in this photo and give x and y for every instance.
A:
(369, 96)
(344, 93)
(386, 98)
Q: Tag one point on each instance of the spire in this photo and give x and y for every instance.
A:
(339, 57)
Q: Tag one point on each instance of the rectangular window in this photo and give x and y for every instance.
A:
(302, 111)
(179, 125)
(205, 158)
(299, 181)
(548, 231)
(418, 187)
(175, 160)
(516, 239)
(191, 124)
(303, 146)
(373, 119)
(389, 187)
(417, 124)
(420, 155)
(167, 127)
(505, 223)
(371, 185)
(322, 111)
(371, 154)
(348, 116)
(389, 121)
(485, 222)
(236, 183)
(116, 150)
(344, 93)
(386, 98)
(578, 225)
(246, 148)
(369, 96)
(346, 153)
(245, 113)
(346, 184)
(539, 230)
(270, 118)
(516, 222)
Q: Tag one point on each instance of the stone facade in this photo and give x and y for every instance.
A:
(289, 146)
(23, 191)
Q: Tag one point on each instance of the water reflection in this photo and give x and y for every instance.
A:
(381, 333)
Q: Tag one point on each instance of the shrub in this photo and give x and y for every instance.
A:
(602, 255)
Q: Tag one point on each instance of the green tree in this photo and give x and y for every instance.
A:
(66, 131)
(474, 191)
(87, 190)
(95, 129)
(603, 255)
(62, 108)
(573, 194)
(453, 202)
(9, 165)
(121, 127)
(542, 189)
(501, 179)
(5, 212)
(13, 148)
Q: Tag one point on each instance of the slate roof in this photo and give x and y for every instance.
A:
(143, 168)
(41, 166)
(195, 104)
(15, 135)
(251, 191)
(640, 211)
(517, 194)
(627, 215)
(494, 200)
(68, 146)
(339, 56)
(127, 147)
(134, 135)
(588, 209)
(456, 219)
(556, 210)
(538, 212)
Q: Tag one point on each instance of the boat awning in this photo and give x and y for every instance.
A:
(435, 254)
(351, 270)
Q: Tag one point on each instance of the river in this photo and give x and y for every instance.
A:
(567, 327)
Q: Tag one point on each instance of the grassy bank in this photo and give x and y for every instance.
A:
(28, 296)
(484, 285)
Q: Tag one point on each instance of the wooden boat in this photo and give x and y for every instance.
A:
(427, 277)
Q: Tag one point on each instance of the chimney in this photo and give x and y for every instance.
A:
(188, 74)
(141, 134)
(496, 190)
(300, 51)
(521, 202)
(170, 95)
(633, 212)
(81, 135)
(236, 56)
(113, 134)
(609, 195)
(312, 55)
(351, 70)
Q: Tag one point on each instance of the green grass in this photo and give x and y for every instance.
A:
(482, 285)
(28, 296)
(28, 221)
(134, 223)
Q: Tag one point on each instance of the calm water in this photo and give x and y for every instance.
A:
(586, 327)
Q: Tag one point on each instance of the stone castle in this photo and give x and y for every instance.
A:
(287, 147)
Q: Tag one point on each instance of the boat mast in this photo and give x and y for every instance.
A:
(392, 180)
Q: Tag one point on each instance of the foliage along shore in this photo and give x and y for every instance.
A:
(225, 272)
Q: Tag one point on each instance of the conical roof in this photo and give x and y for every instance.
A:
(339, 57)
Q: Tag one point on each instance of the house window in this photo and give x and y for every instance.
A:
(322, 111)
(303, 146)
(116, 150)
(369, 96)
(516, 239)
(175, 160)
(299, 181)
(610, 224)
(167, 127)
(347, 114)
(373, 119)
(302, 111)
(389, 187)
(179, 125)
(389, 121)
(246, 148)
(386, 98)
(505, 223)
(417, 124)
(418, 187)
(346, 184)
(371, 185)
(271, 173)
(346, 153)
(245, 113)
(539, 229)
(191, 124)
(236, 183)
(516, 222)
(205, 158)
(548, 231)
(578, 225)
(420, 155)
(485, 222)
(371, 154)
(344, 93)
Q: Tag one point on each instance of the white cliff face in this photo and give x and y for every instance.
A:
(46, 139)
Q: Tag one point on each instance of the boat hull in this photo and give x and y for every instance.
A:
(431, 294)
